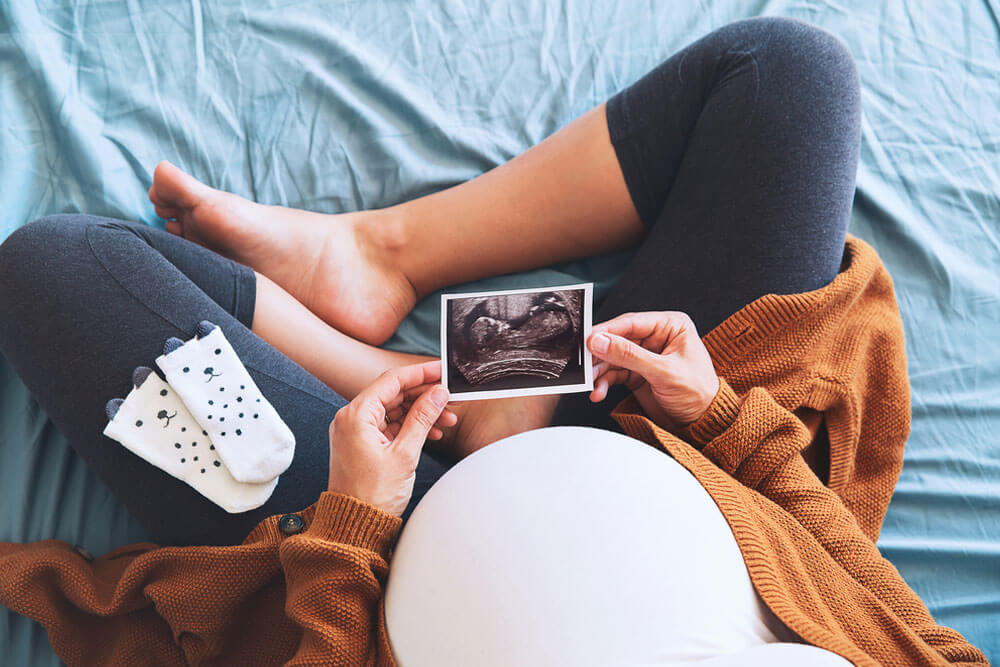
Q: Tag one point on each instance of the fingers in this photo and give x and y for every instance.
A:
(649, 329)
(408, 396)
(605, 380)
(392, 431)
(389, 386)
(420, 419)
(624, 353)
(446, 420)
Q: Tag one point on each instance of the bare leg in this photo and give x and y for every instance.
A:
(342, 363)
(347, 366)
(563, 199)
(362, 272)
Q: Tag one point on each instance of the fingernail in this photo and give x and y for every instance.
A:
(600, 343)
(439, 396)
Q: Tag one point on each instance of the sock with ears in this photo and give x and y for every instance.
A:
(252, 440)
(153, 423)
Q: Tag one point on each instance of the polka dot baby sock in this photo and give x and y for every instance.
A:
(252, 440)
(153, 423)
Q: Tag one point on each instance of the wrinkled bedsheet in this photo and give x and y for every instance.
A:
(337, 106)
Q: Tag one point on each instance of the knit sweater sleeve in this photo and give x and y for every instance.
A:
(759, 442)
(335, 573)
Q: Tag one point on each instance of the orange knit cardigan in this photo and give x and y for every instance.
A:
(315, 598)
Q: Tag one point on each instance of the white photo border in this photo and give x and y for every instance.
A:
(588, 362)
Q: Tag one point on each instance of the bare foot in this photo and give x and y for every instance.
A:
(481, 423)
(327, 262)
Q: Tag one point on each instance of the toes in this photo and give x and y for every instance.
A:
(168, 212)
(173, 187)
(174, 227)
(154, 197)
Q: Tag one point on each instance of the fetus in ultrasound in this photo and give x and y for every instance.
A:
(534, 335)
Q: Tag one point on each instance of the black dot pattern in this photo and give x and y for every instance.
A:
(218, 351)
(220, 413)
(138, 422)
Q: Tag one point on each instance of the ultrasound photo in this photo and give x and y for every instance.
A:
(516, 342)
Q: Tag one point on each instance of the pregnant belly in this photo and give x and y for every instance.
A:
(570, 546)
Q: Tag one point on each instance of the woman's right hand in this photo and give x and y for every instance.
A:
(376, 439)
(661, 358)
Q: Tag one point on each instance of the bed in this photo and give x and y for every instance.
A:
(337, 106)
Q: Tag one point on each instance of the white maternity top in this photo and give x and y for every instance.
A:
(575, 546)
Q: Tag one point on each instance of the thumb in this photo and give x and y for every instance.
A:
(420, 418)
(624, 353)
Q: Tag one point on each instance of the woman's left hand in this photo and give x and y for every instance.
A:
(376, 439)
(661, 358)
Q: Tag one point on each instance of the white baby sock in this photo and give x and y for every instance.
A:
(252, 440)
(153, 423)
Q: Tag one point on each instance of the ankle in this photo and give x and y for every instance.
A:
(385, 236)
(381, 230)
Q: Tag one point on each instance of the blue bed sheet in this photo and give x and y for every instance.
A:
(337, 106)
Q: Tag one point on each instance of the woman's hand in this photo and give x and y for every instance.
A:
(661, 358)
(376, 439)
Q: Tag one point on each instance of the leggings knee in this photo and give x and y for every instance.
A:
(811, 66)
(808, 57)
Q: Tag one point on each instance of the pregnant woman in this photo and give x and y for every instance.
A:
(731, 166)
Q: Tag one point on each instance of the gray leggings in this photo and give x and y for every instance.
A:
(739, 152)
(85, 300)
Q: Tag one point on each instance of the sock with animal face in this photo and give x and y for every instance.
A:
(153, 423)
(250, 436)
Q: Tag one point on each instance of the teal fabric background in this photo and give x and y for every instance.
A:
(338, 106)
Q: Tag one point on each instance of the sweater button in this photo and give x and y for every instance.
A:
(291, 524)
(84, 553)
